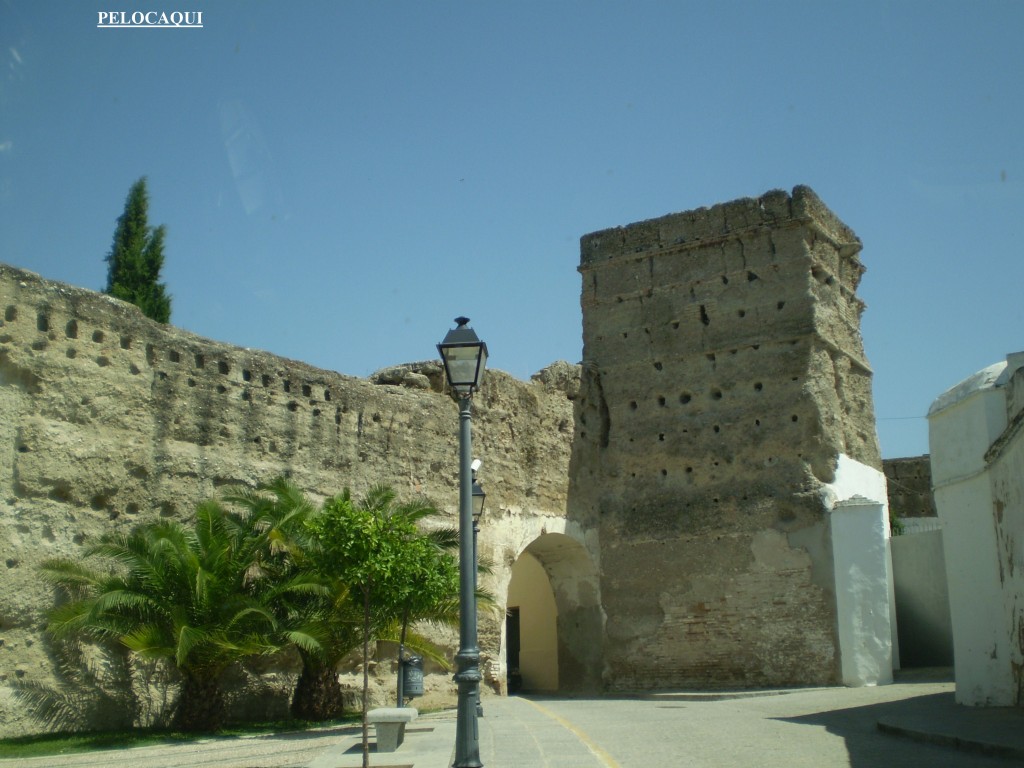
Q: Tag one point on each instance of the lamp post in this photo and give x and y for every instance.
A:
(464, 357)
(478, 512)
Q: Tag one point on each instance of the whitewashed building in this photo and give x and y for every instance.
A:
(976, 436)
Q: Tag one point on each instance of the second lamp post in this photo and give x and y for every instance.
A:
(478, 512)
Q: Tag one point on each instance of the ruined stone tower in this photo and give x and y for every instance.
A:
(726, 449)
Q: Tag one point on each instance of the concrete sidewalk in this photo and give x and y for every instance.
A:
(938, 719)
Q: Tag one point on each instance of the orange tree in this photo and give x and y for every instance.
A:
(375, 546)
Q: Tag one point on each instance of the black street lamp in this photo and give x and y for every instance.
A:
(478, 499)
(464, 357)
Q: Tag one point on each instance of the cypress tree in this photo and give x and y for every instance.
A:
(136, 258)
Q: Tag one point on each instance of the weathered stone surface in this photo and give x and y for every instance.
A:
(424, 375)
(560, 377)
(108, 419)
(674, 486)
(909, 481)
(723, 375)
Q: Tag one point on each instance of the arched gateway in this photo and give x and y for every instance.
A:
(552, 635)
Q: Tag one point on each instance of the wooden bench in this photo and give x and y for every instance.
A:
(389, 723)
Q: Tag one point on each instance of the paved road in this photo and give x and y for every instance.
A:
(816, 729)
(820, 728)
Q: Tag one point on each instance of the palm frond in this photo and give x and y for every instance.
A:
(72, 575)
(304, 640)
(446, 538)
(418, 644)
(150, 641)
(187, 640)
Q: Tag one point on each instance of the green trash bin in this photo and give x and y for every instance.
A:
(412, 677)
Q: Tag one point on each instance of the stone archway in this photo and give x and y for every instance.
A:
(555, 596)
(531, 629)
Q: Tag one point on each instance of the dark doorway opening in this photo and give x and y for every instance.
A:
(512, 645)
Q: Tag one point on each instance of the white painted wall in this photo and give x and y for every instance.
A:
(963, 424)
(922, 599)
(1008, 492)
(862, 563)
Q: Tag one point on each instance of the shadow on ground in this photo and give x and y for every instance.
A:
(878, 734)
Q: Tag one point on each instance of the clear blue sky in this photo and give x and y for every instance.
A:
(341, 179)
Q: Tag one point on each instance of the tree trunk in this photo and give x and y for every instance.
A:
(318, 695)
(401, 659)
(366, 676)
(201, 703)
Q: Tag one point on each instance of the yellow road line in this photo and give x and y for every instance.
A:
(599, 753)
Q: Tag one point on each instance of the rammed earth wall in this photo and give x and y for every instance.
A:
(723, 378)
(705, 498)
(108, 419)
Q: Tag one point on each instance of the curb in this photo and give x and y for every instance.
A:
(955, 742)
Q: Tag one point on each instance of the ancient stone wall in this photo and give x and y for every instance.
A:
(678, 490)
(108, 419)
(723, 376)
(909, 481)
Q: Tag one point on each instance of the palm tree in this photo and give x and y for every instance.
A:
(169, 592)
(313, 607)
